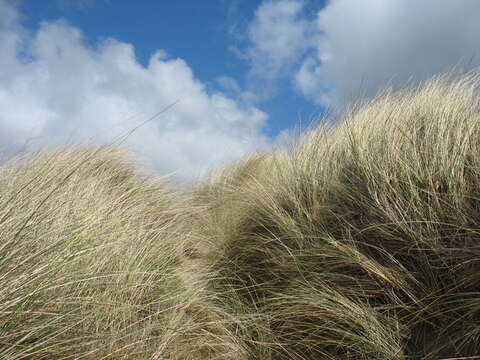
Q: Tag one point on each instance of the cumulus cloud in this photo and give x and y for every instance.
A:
(354, 48)
(363, 46)
(54, 88)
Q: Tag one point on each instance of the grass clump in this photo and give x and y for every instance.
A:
(361, 242)
(87, 258)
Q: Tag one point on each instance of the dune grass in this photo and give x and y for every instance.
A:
(88, 257)
(361, 241)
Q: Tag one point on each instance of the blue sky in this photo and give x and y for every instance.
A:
(245, 72)
(202, 33)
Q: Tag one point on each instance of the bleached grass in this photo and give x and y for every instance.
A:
(87, 257)
(362, 243)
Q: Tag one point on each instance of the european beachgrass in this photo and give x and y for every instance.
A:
(89, 258)
(360, 241)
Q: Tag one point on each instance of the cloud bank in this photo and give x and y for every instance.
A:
(351, 48)
(54, 88)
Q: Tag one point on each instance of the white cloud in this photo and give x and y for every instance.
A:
(354, 48)
(363, 46)
(54, 87)
(277, 39)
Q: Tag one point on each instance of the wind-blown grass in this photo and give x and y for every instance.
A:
(87, 258)
(359, 242)
(362, 243)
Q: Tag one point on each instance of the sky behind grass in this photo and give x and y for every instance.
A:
(242, 74)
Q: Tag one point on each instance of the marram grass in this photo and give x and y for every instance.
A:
(361, 241)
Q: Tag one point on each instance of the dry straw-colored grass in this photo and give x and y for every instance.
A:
(89, 259)
(362, 243)
(359, 242)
